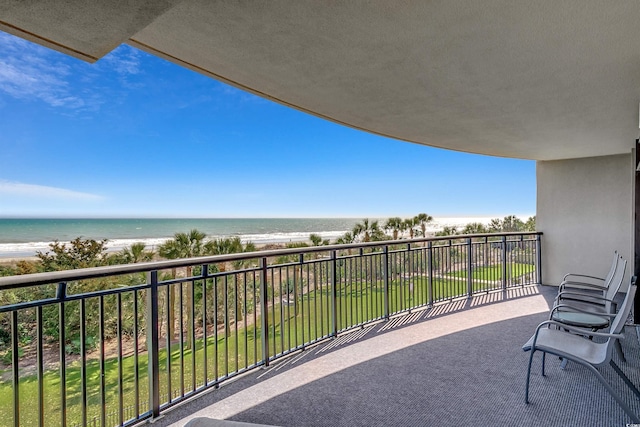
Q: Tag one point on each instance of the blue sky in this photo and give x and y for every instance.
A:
(136, 136)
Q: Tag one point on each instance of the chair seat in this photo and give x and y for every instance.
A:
(561, 343)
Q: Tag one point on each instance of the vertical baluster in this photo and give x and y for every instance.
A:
(385, 260)
(15, 367)
(334, 296)
(235, 319)
(205, 344)
(321, 297)
(469, 269)
(136, 373)
(180, 346)
(103, 386)
(40, 362)
(504, 262)
(153, 338)
(244, 317)
(263, 311)
(227, 331)
(216, 304)
(83, 361)
(539, 260)
(273, 311)
(120, 376)
(255, 319)
(302, 311)
(192, 331)
(61, 294)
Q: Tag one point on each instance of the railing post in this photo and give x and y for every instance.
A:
(385, 257)
(538, 260)
(334, 293)
(153, 337)
(504, 262)
(264, 333)
(469, 269)
(14, 365)
(61, 295)
(430, 272)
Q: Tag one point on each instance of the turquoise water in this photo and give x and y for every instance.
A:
(23, 237)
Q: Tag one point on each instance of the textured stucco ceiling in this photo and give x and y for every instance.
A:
(546, 79)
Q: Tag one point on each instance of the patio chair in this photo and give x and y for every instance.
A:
(582, 309)
(574, 344)
(585, 281)
(588, 310)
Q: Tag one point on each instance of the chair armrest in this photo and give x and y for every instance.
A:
(575, 329)
(570, 308)
(588, 286)
(586, 276)
(587, 299)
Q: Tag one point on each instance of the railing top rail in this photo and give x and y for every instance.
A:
(10, 282)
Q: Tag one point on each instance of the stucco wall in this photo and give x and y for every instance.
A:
(584, 209)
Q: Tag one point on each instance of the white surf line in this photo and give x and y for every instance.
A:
(366, 350)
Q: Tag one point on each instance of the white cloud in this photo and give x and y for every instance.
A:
(123, 60)
(32, 72)
(27, 71)
(42, 191)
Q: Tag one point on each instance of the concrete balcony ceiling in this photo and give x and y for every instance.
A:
(537, 80)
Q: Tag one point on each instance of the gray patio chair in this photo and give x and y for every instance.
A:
(575, 344)
(576, 303)
(588, 310)
(586, 282)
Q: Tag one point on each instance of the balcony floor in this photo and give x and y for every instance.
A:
(456, 364)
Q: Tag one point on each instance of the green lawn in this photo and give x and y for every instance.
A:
(495, 272)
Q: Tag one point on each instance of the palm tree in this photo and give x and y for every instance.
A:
(409, 224)
(170, 250)
(530, 225)
(422, 219)
(231, 246)
(367, 232)
(474, 228)
(495, 226)
(136, 253)
(345, 239)
(394, 225)
(316, 239)
(447, 231)
(512, 223)
(186, 245)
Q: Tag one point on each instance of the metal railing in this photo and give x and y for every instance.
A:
(112, 346)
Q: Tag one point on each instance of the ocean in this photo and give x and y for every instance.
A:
(23, 237)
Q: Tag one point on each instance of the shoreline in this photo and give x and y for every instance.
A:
(10, 253)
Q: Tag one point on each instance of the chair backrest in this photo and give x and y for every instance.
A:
(612, 270)
(625, 309)
(616, 283)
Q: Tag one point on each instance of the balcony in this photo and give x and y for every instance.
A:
(422, 332)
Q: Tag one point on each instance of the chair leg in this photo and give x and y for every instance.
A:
(544, 359)
(613, 394)
(526, 393)
(626, 379)
(618, 347)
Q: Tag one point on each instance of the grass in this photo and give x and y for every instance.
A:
(495, 272)
(230, 351)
